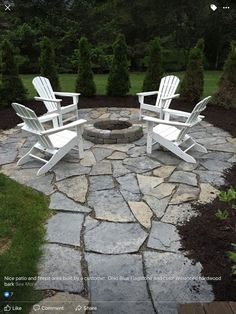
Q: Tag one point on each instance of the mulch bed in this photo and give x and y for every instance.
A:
(206, 238)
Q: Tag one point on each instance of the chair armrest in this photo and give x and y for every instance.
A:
(67, 94)
(64, 127)
(171, 97)
(147, 93)
(47, 99)
(166, 122)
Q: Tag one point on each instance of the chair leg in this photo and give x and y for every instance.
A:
(26, 157)
(80, 142)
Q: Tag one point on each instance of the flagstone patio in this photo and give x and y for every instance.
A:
(113, 238)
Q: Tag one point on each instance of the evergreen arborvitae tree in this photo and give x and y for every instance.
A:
(118, 83)
(12, 88)
(85, 83)
(154, 67)
(193, 83)
(47, 63)
(226, 92)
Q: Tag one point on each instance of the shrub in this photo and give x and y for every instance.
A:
(226, 92)
(47, 63)
(232, 257)
(12, 88)
(84, 81)
(154, 66)
(193, 82)
(118, 80)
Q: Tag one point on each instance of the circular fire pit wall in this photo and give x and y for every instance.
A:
(112, 132)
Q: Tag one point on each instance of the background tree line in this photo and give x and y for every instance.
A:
(64, 22)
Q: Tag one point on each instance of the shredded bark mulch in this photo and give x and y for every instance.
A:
(207, 239)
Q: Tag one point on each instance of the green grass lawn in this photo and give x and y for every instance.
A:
(23, 212)
(68, 82)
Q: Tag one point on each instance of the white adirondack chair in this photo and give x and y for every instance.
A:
(172, 135)
(165, 94)
(55, 142)
(48, 97)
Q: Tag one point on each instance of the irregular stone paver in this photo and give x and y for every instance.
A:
(142, 213)
(65, 228)
(178, 214)
(120, 147)
(184, 177)
(213, 166)
(212, 177)
(8, 153)
(113, 238)
(76, 188)
(129, 196)
(117, 156)
(228, 147)
(173, 279)
(165, 157)
(217, 156)
(101, 182)
(59, 201)
(119, 169)
(101, 153)
(232, 159)
(114, 295)
(69, 302)
(187, 166)
(147, 183)
(105, 205)
(88, 159)
(129, 183)
(137, 151)
(164, 171)
(208, 193)
(57, 269)
(65, 170)
(164, 237)
(101, 168)
(157, 206)
(141, 164)
(162, 190)
(185, 193)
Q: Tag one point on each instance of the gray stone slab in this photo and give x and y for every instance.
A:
(59, 268)
(137, 151)
(163, 190)
(213, 177)
(157, 206)
(141, 164)
(214, 165)
(129, 183)
(178, 214)
(98, 183)
(222, 156)
(65, 228)
(8, 153)
(119, 169)
(59, 201)
(117, 289)
(113, 238)
(185, 193)
(101, 153)
(110, 205)
(130, 197)
(184, 177)
(65, 170)
(165, 157)
(101, 168)
(164, 237)
(173, 279)
(227, 147)
(76, 188)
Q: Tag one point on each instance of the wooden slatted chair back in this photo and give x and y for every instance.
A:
(44, 89)
(193, 118)
(168, 87)
(32, 124)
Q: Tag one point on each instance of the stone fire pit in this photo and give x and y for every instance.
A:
(112, 132)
